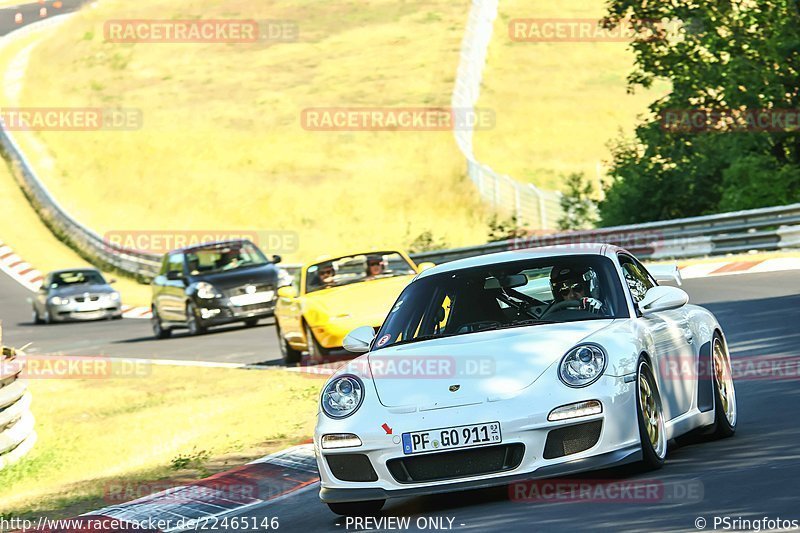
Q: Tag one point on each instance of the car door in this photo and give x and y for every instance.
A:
(675, 357)
(172, 299)
(289, 312)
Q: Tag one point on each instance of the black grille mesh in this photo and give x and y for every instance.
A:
(572, 439)
(351, 467)
(456, 464)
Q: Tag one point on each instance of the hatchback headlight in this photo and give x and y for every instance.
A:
(114, 296)
(57, 300)
(582, 365)
(206, 290)
(342, 396)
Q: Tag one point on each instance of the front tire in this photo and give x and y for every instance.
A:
(36, 318)
(159, 331)
(650, 415)
(289, 355)
(725, 412)
(250, 322)
(368, 508)
(193, 322)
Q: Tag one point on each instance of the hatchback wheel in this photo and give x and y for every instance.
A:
(159, 331)
(193, 322)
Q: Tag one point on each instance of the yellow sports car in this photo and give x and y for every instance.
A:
(331, 297)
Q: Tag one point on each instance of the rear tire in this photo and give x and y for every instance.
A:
(368, 508)
(193, 322)
(725, 412)
(289, 355)
(159, 331)
(316, 352)
(650, 415)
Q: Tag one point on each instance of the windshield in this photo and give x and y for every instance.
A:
(77, 277)
(355, 269)
(525, 293)
(221, 258)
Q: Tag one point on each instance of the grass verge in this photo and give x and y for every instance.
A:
(161, 423)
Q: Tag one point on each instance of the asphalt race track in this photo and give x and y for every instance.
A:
(754, 474)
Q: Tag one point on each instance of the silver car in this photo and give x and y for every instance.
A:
(75, 294)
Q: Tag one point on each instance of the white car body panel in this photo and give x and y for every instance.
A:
(522, 390)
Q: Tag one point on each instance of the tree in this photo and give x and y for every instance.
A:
(578, 204)
(730, 61)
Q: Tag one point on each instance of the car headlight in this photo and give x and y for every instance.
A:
(114, 296)
(206, 290)
(582, 365)
(342, 396)
(56, 300)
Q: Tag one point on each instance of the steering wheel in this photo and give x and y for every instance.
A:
(558, 306)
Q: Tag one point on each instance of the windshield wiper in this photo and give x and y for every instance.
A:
(521, 323)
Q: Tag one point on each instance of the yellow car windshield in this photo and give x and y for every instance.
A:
(355, 269)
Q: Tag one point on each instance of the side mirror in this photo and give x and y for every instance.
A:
(276, 259)
(663, 298)
(287, 292)
(111, 281)
(425, 266)
(174, 275)
(666, 274)
(358, 340)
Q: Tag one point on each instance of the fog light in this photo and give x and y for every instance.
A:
(575, 410)
(340, 440)
(208, 313)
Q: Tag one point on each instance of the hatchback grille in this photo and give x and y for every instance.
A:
(91, 298)
(260, 287)
(456, 464)
(572, 439)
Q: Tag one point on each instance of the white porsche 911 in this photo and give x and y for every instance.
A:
(520, 365)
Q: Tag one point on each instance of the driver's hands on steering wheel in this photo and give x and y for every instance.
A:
(591, 304)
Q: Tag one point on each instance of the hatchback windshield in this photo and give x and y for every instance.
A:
(219, 258)
(508, 295)
(355, 269)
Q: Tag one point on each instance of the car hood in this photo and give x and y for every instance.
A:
(241, 276)
(70, 290)
(363, 304)
(485, 366)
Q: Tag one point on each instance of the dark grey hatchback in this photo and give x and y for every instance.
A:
(212, 284)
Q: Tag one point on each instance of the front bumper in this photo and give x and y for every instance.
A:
(77, 312)
(523, 420)
(220, 311)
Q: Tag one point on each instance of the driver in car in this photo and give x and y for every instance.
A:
(375, 266)
(572, 284)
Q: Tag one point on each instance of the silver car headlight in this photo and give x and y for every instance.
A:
(342, 396)
(206, 291)
(57, 300)
(582, 365)
(114, 296)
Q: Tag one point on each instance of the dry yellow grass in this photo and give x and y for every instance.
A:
(222, 146)
(136, 429)
(558, 104)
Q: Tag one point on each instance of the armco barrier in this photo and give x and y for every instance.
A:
(17, 435)
(768, 229)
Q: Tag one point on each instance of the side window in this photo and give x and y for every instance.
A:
(175, 263)
(636, 277)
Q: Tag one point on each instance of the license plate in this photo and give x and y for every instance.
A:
(255, 298)
(451, 438)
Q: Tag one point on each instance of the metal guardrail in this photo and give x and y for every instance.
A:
(767, 229)
(532, 207)
(17, 435)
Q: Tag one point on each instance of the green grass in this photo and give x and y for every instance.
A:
(173, 423)
(557, 104)
(222, 146)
